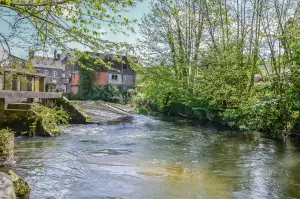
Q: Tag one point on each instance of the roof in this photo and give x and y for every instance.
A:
(46, 62)
(24, 72)
(15, 57)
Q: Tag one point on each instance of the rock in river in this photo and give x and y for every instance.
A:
(13, 186)
(6, 187)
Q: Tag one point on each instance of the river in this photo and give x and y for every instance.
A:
(157, 158)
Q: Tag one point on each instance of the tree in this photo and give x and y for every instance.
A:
(214, 51)
(172, 33)
(42, 24)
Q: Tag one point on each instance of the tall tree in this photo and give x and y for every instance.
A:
(172, 34)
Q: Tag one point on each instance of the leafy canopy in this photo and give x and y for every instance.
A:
(42, 24)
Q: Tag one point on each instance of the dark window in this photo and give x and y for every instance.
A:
(114, 77)
(125, 66)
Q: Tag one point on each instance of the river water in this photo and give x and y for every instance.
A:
(157, 158)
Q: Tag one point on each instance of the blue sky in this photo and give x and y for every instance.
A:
(134, 13)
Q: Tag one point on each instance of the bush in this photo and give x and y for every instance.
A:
(6, 144)
(144, 111)
(128, 95)
(269, 115)
(140, 100)
(108, 93)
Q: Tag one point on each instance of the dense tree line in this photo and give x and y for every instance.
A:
(239, 58)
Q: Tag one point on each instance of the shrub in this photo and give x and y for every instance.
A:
(108, 93)
(128, 95)
(269, 115)
(140, 100)
(6, 144)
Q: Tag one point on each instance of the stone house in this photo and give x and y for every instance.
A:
(120, 74)
(56, 70)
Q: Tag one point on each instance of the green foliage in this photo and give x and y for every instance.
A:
(269, 116)
(144, 111)
(108, 93)
(161, 85)
(21, 187)
(88, 66)
(140, 100)
(128, 96)
(215, 61)
(49, 119)
(59, 23)
(6, 143)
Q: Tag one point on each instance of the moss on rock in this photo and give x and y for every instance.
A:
(6, 145)
(21, 187)
(77, 114)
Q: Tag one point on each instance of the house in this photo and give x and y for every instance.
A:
(13, 62)
(120, 74)
(56, 70)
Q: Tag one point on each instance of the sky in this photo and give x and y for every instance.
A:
(134, 13)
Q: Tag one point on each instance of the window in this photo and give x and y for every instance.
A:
(125, 66)
(114, 77)
(54, 73)
(46, 72)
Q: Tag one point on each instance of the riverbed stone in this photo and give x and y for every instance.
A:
(21, 187)
(6, 187)
(6, 145)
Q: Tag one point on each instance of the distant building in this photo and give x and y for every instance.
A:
(121, 74)
(56, 70)
(13, 62)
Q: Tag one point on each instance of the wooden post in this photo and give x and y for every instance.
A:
(41, 84)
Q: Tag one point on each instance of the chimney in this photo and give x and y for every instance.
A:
(55, 54)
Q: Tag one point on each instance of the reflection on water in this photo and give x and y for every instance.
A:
(153, 158)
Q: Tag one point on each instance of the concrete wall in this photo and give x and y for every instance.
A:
(129, 80)
(117, 81)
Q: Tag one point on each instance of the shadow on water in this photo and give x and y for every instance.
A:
(158, 158)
